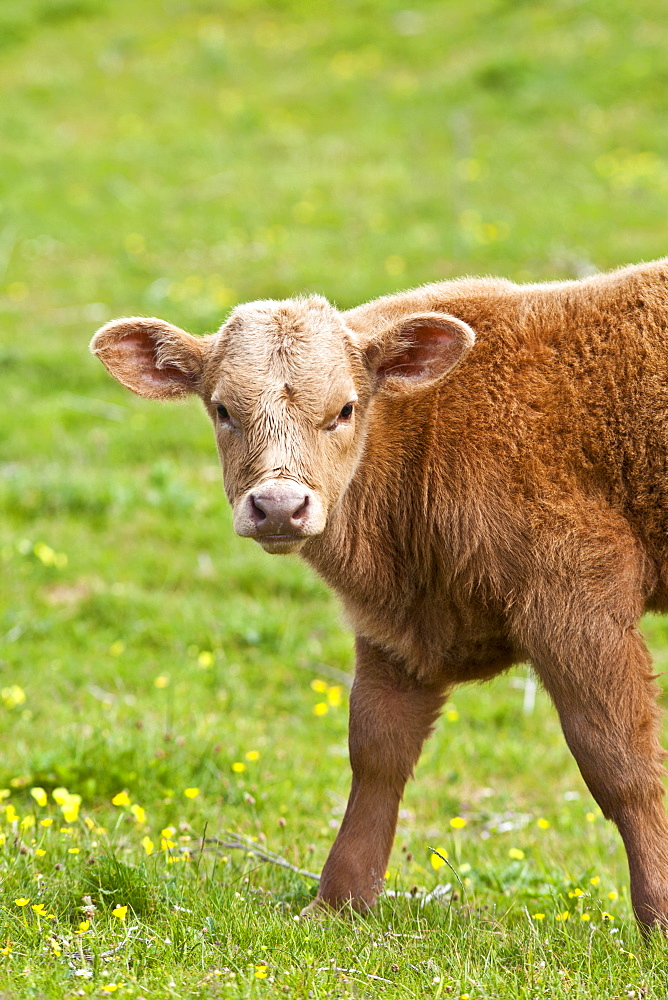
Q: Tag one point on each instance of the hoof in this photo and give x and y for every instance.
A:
(317, 909)
(320, 909)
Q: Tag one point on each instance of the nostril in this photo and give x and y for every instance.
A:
(259, 514)
(276, 508)
(298, 514)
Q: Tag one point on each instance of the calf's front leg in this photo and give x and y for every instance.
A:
(391, 715)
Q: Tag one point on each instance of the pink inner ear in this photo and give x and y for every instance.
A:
(427, 351)
(139, 351)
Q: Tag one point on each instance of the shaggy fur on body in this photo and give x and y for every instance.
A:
(478, 469)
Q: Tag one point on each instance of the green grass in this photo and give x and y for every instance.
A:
(175, 158)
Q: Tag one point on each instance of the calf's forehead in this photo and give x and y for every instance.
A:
(297, 348)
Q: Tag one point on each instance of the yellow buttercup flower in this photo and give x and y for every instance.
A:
(21, 901)
(147, 844)
(543, 824)
(138, 812)
(121, 799)
(13, 696)
(252, 755)
(516, 854)
(458, 823)
(191, 793)
(70, 808)
(120, 912)
(334, 696)
(436, 861)
(39, 795)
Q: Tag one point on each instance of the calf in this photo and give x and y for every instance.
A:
(478, 469)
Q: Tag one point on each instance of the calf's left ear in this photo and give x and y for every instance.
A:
(420, 349)
(151, 357)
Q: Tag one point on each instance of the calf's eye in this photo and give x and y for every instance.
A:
(347, 412)
(222, 412)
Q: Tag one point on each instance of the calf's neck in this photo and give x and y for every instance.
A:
(479, 470)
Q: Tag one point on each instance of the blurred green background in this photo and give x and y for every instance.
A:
(182, 156)
(175, 157)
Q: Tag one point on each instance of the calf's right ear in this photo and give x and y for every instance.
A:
(151, 357)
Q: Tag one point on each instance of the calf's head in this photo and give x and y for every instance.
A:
(288, 386)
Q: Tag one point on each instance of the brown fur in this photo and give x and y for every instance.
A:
(515, 509)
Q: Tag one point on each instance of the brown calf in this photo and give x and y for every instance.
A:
(513, 510)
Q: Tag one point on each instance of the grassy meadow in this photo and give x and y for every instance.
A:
(172, 700)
